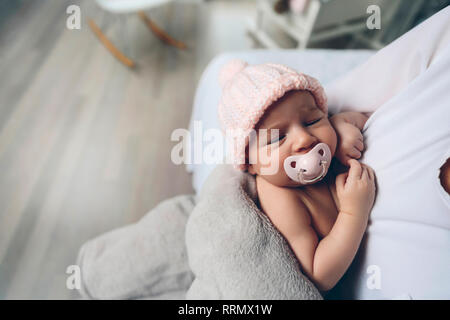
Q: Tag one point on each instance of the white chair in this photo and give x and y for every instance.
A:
(133, 6)
(321, 20)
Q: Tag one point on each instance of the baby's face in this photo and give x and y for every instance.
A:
(301, 125)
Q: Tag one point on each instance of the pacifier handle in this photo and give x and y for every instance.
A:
(323, 163)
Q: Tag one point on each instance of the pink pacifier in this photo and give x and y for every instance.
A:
(310, 167)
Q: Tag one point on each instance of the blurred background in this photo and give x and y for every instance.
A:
(86, 113)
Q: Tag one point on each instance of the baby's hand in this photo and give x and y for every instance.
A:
(356, 189)
(348, 126)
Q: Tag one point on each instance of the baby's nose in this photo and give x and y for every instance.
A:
(303, 140)
(305, 145)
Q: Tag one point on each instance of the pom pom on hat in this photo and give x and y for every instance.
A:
(230, 69)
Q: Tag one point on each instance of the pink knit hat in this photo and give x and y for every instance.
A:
(248, 90)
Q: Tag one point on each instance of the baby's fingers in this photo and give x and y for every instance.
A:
(355, 169)
(371, 173)
(365, 173)
(359, 145)
(354, 153)
(340, 180)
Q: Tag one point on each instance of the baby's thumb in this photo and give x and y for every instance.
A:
(340, 180)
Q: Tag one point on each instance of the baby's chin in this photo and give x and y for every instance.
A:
(289, 183)
(282, 181)
(295, 184)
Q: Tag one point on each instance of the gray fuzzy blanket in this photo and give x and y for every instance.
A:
(217, 246)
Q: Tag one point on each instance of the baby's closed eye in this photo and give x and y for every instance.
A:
(312, 122)
(277, 138)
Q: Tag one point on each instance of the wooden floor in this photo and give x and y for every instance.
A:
(84, 141)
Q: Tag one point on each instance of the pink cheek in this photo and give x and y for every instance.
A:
(334, 143)
(281, 173)
(331, 138)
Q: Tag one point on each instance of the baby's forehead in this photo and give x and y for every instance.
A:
(299, 101)
(294, 106)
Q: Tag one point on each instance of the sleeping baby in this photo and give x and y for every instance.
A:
(280, 131)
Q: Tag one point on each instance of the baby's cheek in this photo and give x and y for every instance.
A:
(282, 177)
(273, 168)
(261, 159)
(332, 140)
(271, 162)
